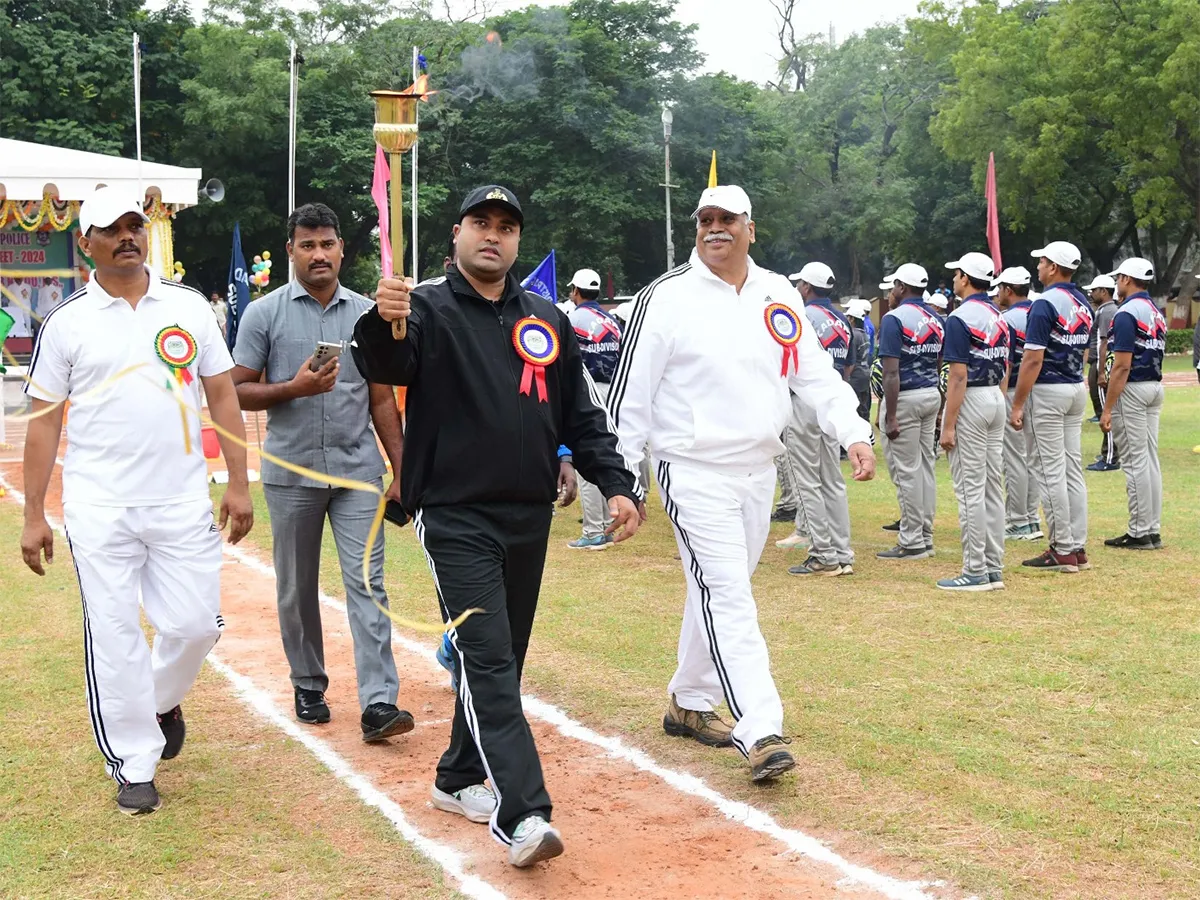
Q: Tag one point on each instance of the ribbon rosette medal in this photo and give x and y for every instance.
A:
(536, 343)
(784, 325)
(177, 349)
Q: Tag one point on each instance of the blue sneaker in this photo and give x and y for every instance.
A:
(965, 582)
(599, 542)
(996, 580)
(445, 658)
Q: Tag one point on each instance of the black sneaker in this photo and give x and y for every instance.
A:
(1101, 465)
(895, 526)
(1156, 539)
(311, 707)
(1129, 542)
(899, 552)
(138, 798)
(783, 514)
(383, 720)
(171, 723)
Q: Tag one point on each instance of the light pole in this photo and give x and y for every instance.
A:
(667, 119)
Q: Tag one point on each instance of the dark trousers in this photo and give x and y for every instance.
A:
(864, 403)
(1094, 388)
(1108, 449)
(490, 556)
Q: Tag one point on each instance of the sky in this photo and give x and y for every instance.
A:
(735, 36)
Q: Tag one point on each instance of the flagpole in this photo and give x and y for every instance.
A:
(137, 112)
(415, 151)
(291, 185)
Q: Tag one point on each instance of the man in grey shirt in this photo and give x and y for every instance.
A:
(1101, 292)
(320, 420)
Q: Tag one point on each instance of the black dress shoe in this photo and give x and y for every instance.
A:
(311, 707)
(784, 514)
(171, 723)
(383, 720)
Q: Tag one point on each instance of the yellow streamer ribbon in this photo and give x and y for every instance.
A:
(334, 480)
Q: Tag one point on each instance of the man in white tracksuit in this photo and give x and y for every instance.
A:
(712, 355)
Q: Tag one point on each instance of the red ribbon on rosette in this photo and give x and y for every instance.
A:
(536, 342)
(784, 325)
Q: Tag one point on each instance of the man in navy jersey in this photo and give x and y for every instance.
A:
(910, 345)
(1021, 522)
(816, 462)
(1133, 402)
(1051, 383)
(976, 349)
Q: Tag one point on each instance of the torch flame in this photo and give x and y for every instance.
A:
(420, 88)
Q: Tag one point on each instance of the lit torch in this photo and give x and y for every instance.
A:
(396, 132)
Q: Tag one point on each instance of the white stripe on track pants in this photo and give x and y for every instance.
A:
(721, 522)
(171, 556)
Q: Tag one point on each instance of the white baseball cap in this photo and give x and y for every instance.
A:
(909, 273)
(1135, 267)
(728, 197)
(1062, 253)
(857, 307)
(817, 274)
(976, 265)
(1013, 275)
(105, 206)
(1103, 281)
(938, 299)
(586, 280)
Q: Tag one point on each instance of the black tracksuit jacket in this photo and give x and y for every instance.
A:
(471, 436)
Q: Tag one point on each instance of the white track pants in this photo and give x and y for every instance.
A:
(721, 522)
(171, 556)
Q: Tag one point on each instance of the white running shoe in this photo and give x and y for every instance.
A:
(792, 541)
(476, 803)
(534, 841)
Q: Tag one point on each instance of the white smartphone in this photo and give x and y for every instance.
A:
(324, 353)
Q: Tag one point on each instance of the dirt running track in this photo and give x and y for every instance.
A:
(627, 833)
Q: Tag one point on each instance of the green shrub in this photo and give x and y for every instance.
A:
(1179, 340)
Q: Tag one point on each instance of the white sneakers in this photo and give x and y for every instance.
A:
(792, 541)
(476, 803)
(533, 841)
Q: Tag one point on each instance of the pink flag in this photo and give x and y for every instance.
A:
(379, 193)
(993, 215)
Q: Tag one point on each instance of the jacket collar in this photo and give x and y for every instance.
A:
(461, 287)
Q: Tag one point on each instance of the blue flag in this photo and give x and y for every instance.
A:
(543, 280)
(238, 290)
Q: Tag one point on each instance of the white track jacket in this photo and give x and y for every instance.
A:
(700, 377)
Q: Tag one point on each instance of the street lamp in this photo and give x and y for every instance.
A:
(667, 119)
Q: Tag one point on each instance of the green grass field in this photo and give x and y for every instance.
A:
(1040, 742)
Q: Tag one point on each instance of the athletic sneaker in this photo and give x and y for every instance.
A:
(447, 660)
(1035, 532)
(814, 566)
(997, 580)
(475, 803)
(1101, 465)
(1023, 533)
(704, 726)
(138, 798)
(1156, 539)
(792, 541)
(1129, 542)
(965, 582)
(596, 542)
(171, 723)
(533, 841)
(381, 721)
(899, 552)
(1081, 559)
(1054, 562)
(894, 526)
(768, 759)
(311, 707)
(1094, 420)
(784, 514)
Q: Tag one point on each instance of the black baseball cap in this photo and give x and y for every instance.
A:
(492, 195)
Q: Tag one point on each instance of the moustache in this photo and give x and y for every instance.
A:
(127, 248)
(718, 237)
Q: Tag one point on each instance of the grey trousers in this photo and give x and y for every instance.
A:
(976, 467)
(1055, 419)
(820, 487)
(595, 507)
(297, 522)
(910, 460)
(1135, 423)
(1021, 504)
(783, 469)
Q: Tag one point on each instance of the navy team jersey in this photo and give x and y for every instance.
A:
(1059, 323)
(1139, 328)
(912, 333)
(599, 339)
(1016, 317)
(977, 337)
(832, 330)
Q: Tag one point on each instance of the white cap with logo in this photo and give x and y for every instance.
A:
(1135, 267)
(1101, 282)
(909, 273)
(976, 265)
(1013, 275)
(585, 280)
(817, 274)
(105, 206)
(1063, 254)
(728, 197)
(937, 299)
